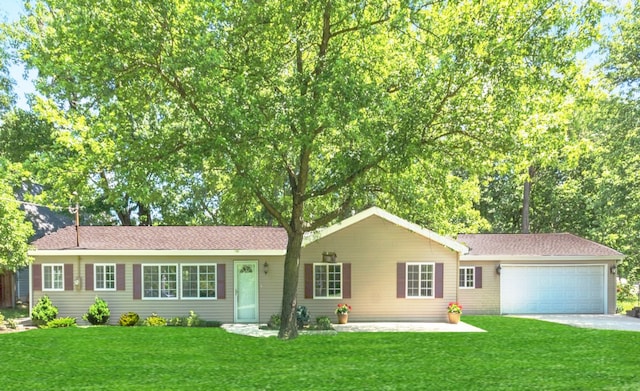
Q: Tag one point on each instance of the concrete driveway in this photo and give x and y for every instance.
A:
(603, 322)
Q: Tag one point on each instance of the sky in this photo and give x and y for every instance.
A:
(10, 11)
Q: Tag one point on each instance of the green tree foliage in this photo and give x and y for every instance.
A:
(297, 110)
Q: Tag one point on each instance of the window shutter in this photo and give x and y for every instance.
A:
(439, 277)
(478, 277)
(308, 280)
(401, 280)
(137, 281)
(88, 276)
(68, 276)
(120, 278)
(220, 277)
(36, 277)
(346, 280)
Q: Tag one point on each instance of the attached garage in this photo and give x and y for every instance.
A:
(553, 289)
(551, 273)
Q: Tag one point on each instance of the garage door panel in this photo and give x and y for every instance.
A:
(552, 289)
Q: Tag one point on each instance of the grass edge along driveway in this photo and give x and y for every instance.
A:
(514, 354)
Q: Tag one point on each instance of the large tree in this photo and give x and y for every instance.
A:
(313, 108)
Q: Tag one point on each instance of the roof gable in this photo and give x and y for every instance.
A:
(500, 246)
(374, 211)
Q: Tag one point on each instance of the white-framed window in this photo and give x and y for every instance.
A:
(327, 280)
(53, 277)
(420, 279)
(199, 281)
(467, 277)
(160, 281)
(104, 277)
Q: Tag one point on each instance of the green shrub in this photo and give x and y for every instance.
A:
(1, 319)
(98, 313)
(60, 322)
(323, 323)
(12, 323)
(211, 323)
(129, 319)
(193, 320)
(155, 320)
(625, 292)
(43, 312)
(274, 322)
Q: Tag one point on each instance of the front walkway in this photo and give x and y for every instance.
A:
(253, 330)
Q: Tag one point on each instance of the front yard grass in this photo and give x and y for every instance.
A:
(514, 354)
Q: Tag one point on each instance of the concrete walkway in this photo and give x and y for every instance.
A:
(362, 327)
(602, 322)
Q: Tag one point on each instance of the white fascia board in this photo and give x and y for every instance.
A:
(539, 258)
(375, 211)
(194, 253)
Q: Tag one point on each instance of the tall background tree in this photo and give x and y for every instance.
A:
(294, 112)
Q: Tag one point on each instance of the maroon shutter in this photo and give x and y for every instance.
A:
(346, 280)
(401, 280)
(120, 277)
(221, 290)
(439, 289)
(137, 281)
(68, 276)
(88, 276)
(308, 280)
(478, 277)
(36, 277)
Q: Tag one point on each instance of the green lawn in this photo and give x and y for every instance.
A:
(515, 354)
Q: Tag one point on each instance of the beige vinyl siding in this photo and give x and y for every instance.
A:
(75, 303)
(374, 247)
(485, 300)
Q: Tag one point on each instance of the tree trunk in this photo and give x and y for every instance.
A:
(288, 318)
(526, 201)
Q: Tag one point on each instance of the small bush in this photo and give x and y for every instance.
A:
(211, 323)
(43, 312)
(1, 319)
(323, 323)
(129, 319)
(60, 322)
(274, 322)
(12, 323)
(98, 313)
(154, 320)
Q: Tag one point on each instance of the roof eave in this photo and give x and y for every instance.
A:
(93, 252)
(502, 258)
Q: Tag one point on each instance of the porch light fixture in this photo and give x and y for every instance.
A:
(265, 267)
(76, 281)
(498, 268)
(613, 269)
(329, 257)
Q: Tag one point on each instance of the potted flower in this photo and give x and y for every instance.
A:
(343, 313)
(454, 310)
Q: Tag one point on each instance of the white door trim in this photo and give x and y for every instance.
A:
(239, 313)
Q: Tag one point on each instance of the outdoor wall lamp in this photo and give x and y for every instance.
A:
(613, 269)
(76, 281)
(265, 267)
(498, 268)
(329, 257)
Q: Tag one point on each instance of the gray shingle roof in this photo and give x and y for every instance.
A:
(551, 244)
(166, 238)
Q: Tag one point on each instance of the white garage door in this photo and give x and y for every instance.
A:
(547, 289)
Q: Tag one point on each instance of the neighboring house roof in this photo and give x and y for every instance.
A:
(235, 239)
(447, 242)
(533, 247)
